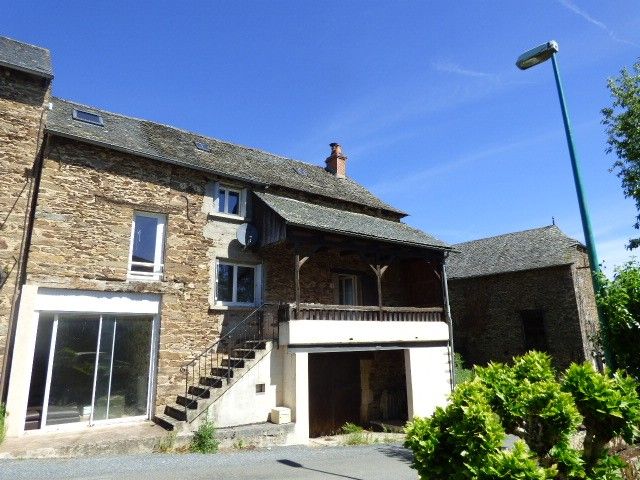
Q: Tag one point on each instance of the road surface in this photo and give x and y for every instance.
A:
(371, 462)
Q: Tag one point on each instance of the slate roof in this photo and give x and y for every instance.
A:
(513, 252)
(26, 58)
(169, 144)
(318, 217)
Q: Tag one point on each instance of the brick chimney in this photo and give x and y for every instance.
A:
(336, 162)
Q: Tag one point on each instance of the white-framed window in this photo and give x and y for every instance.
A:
(227, 200)
(237, 283)
(347, 289)
(147, 246)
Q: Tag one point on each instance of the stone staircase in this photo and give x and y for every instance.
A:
(212, 384)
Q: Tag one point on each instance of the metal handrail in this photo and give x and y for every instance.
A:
(212, 360)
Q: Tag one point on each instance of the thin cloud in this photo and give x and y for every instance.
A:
(448, 67)
(581, 13)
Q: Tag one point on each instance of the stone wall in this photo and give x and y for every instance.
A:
(22, 99)
(402, 284)
(486, 314)
(587, 308)
(82, 235)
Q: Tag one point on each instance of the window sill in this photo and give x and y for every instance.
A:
(226, 216)
(233, 306)
(134, 278)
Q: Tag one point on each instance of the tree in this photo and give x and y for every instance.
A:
(622, 120)
(464, 441)
(619, 303)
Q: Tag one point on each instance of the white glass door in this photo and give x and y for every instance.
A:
(98, 368)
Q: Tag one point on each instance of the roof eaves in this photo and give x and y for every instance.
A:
(31, 71)
(368, 237)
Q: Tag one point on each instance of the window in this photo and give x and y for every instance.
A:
(147, 246)
(236, 284)
(87, 117)
(226, 200)
(347, 290)
(533, 329)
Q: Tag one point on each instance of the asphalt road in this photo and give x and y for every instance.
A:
(375, 462)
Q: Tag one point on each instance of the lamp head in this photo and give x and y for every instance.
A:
(537, 55)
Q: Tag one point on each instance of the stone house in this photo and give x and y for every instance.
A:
(149, 273)
(529, 290)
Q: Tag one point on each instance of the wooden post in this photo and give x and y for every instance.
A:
(298, 263)
(379, 270)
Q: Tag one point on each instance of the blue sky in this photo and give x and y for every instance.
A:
(423, 96)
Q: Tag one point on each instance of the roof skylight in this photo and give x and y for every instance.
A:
(302, 171)
(87, 117)
(202, 146)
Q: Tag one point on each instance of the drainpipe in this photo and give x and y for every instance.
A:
(447, 312)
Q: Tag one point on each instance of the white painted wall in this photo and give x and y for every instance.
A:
(241, 405)
(22, 362)
(428, 379)
(296, 392)
(317, 332)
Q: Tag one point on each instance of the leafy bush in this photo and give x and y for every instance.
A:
(3, 414)
(204, 439)
(356, 434)
(619, 303)
(462, 374)
(465, 440)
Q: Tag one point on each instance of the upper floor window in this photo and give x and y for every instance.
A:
(227, 200)
(237, 284)
(347, 289)
(147, 246)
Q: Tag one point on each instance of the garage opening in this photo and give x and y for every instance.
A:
(364, 388)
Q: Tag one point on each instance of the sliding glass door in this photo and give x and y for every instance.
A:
(97, 368)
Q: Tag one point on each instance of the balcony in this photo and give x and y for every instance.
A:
(315, 324)
(316, 311)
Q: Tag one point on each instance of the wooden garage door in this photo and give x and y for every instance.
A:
(334, 391)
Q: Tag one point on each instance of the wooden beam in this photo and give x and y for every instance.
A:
(379, 270)
(299, 261)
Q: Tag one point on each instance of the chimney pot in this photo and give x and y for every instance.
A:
(336, 162)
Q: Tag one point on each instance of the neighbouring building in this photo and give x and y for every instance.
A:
(529, 290)
(149, 273)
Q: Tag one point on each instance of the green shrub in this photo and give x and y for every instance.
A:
(204, 439)
(356, 434)
(465, 439)
(619, 304)
(351, 428)
(462, 374)
(3, 414)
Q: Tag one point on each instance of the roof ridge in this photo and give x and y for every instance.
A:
(25, 43)
(189, 132)
(508, 234)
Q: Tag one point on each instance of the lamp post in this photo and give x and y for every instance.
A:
(529, 59)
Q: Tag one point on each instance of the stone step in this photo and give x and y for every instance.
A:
(189, 401)
(233, 362)
(200, 392)
(244, 353)
(221, 372)
(176, 411)
(256, 344)
(215, 381)
(165, 421)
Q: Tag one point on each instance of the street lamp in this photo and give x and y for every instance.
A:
(529, 59)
